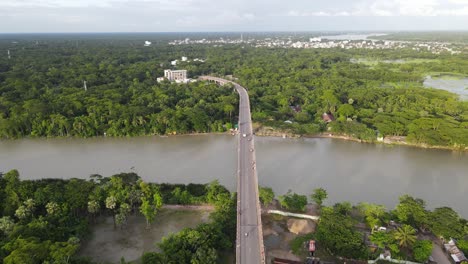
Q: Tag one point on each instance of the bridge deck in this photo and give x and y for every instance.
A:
(249, 244)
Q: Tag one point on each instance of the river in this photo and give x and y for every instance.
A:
(349, 171)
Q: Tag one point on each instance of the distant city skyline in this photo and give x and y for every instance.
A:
(44, 16)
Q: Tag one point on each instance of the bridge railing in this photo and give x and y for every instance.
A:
(259, 209)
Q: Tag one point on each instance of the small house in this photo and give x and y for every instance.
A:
(454, 252)
(327, 117)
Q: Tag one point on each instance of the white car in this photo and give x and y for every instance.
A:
(244, 135)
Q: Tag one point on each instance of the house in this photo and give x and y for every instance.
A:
(327, 117)
(454, 252)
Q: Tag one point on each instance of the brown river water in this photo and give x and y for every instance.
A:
(349, 171)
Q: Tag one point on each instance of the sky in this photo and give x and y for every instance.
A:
(36, 16)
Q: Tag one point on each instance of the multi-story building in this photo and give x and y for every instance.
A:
(177, 76)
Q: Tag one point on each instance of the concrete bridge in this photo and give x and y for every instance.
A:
(249, 242)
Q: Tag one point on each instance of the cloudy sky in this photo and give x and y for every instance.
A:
(230, 15)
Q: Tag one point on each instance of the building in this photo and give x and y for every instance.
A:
(454, 252)
(179, 76)
(327, 117)
(147, 43)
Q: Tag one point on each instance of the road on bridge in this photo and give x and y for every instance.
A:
(249, 244)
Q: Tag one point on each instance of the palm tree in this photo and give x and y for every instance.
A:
(405, 235)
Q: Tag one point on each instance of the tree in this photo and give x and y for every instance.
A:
(343, 208)
(345, 110)
(445, 222)
(26, 251)
(382, 239)
(406, 236)
(463, 245)
(153, 258)
(149, 208)
(293, 201)
(52, 208)
(121, 217)
(422, 249)
(215, 191)
(93, 208)
(336, 233)
(266, 195)
(26, 210)
(412, 211)
(373, 214)
(12, 200)
(6, 225)
(61, 252)
(111, 203)
(319, 195)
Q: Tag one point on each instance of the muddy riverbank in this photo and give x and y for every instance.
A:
(110, 245)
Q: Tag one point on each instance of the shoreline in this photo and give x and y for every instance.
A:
(272, 133)
(393, 143)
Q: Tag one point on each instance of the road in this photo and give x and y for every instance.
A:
(249, 244)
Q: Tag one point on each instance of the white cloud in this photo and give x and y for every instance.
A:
(416, 8)
(458, 2)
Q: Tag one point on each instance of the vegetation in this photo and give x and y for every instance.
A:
(440, 36)
(336, 233)
(297, 244)
(319, 195)
(340, 232)
(406, 236)
(42, 94)
(422, 250)
(266, 195)
(51, 217)
(293, 201)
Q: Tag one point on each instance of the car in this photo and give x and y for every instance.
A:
(244, 135)
(251, 150)
(246, 234)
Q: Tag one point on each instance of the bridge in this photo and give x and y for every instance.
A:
(249, 241)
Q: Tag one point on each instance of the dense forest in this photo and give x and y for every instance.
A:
(51, 217)
(42, 92)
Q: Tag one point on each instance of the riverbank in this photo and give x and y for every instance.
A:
(273, 132)
(266, 131)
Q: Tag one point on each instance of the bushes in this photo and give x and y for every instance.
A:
(293, 201)
(422, 249)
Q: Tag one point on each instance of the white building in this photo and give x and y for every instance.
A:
(184, 58)
(179, 76)
(147, 43)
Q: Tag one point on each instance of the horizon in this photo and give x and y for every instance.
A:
(246, 31)
(86, 16)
